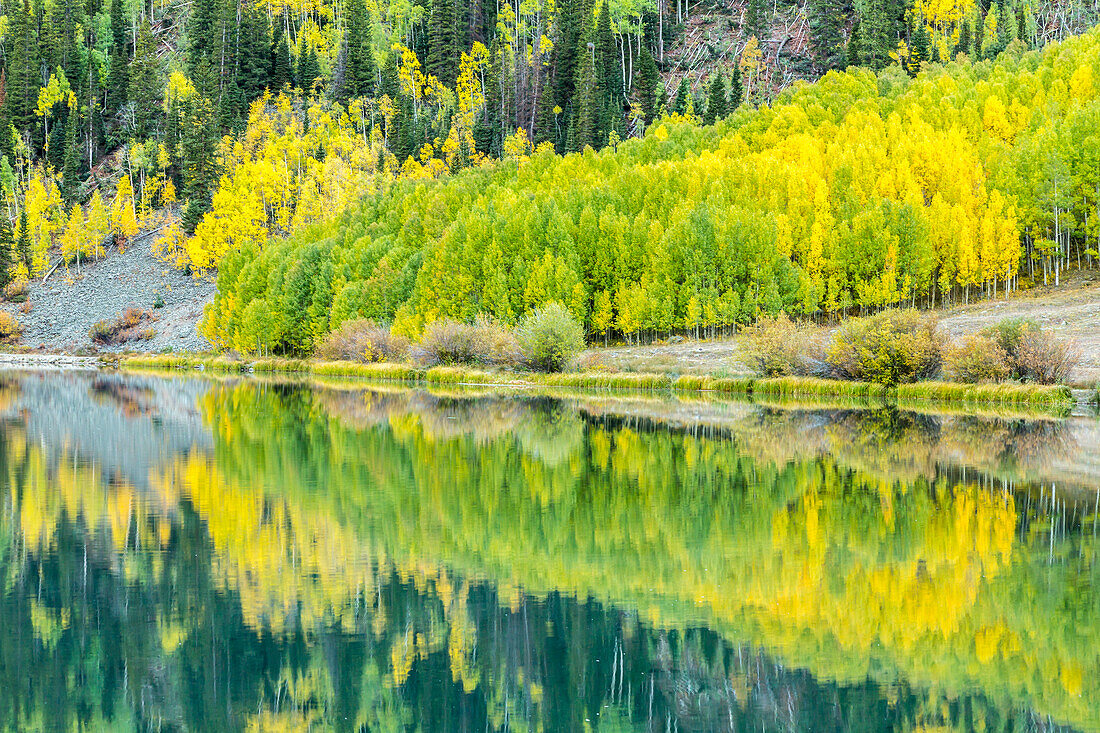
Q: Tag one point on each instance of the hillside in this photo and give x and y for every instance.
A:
(127, 112)
(854, 193)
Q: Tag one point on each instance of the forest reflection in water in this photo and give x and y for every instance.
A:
(241, 555)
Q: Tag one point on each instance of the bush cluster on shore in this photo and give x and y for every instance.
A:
(904, 346)
(131, 325)
(546, 340)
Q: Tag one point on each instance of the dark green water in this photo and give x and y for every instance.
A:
(222, 556)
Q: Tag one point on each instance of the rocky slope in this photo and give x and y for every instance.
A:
(60, 311)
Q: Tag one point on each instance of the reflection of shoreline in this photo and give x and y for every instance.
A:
(125, 426)
(887, 441)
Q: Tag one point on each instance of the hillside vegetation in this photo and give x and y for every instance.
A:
(854, 193)
(220, 123)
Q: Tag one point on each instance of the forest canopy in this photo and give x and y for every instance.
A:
(856, 192)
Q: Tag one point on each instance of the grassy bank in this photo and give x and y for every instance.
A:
(1031, 395)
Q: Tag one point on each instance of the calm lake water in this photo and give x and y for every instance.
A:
(184, 554)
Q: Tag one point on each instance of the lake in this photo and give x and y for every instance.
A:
(245, 555)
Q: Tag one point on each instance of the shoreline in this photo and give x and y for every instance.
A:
(1050, 397)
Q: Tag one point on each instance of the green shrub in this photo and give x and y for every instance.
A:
(1008, 333)
(483, 342)
(363, 341)
(550, 337)
(779, 347)
(1032, 354)
(891, 347)
(980, 358)
(10, 328)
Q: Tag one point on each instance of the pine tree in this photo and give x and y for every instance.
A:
(608, 75)
(282, 69)
(7, 243)
(360, 70)
(827, 18)
(585, 123)
(118, 85)
(146, 83)
(252, 55)
(70, 172)
(23, 244)
(737, 90)
(567, 49)
(853, 55)
(646, 79)
(755, 19)
(717, 101)
(203, 34)
(680, 105)
(309, 70)
(921, 50)
(964, 38)
(443, 54)
(23, 78)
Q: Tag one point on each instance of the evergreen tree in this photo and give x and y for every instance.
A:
(118, 85)
(755, 19)
(853, 56)
(146, 82)
(646, 79)
(70, 172)
(585, 124)
(717, 101)
(360, 71)
(608, 75)
(23, 244)
(737, 90)
(7, 243)
(827, 18)
(443, 51)
(921, 50)
(282, 68)
(253, 51)
(680, 105)
(23, 78)
(964, 38)
(567, 49)
(203, 34)
(309, 70)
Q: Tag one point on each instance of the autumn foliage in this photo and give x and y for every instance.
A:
(855, 193)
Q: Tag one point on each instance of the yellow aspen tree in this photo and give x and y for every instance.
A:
(98, 226)
(72, 239)
(45, 216)
(123, 219)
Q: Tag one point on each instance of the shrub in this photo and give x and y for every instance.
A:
(16, 291)
(550, 338)
(363, 341)
(979, 358)
(1033, 355)
(158, 302)
(127, 327)
(891, 347)
(102, 332)
(1043, 358)
(779, 347)
(449, 342)
(10, 328)
(132, 317)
